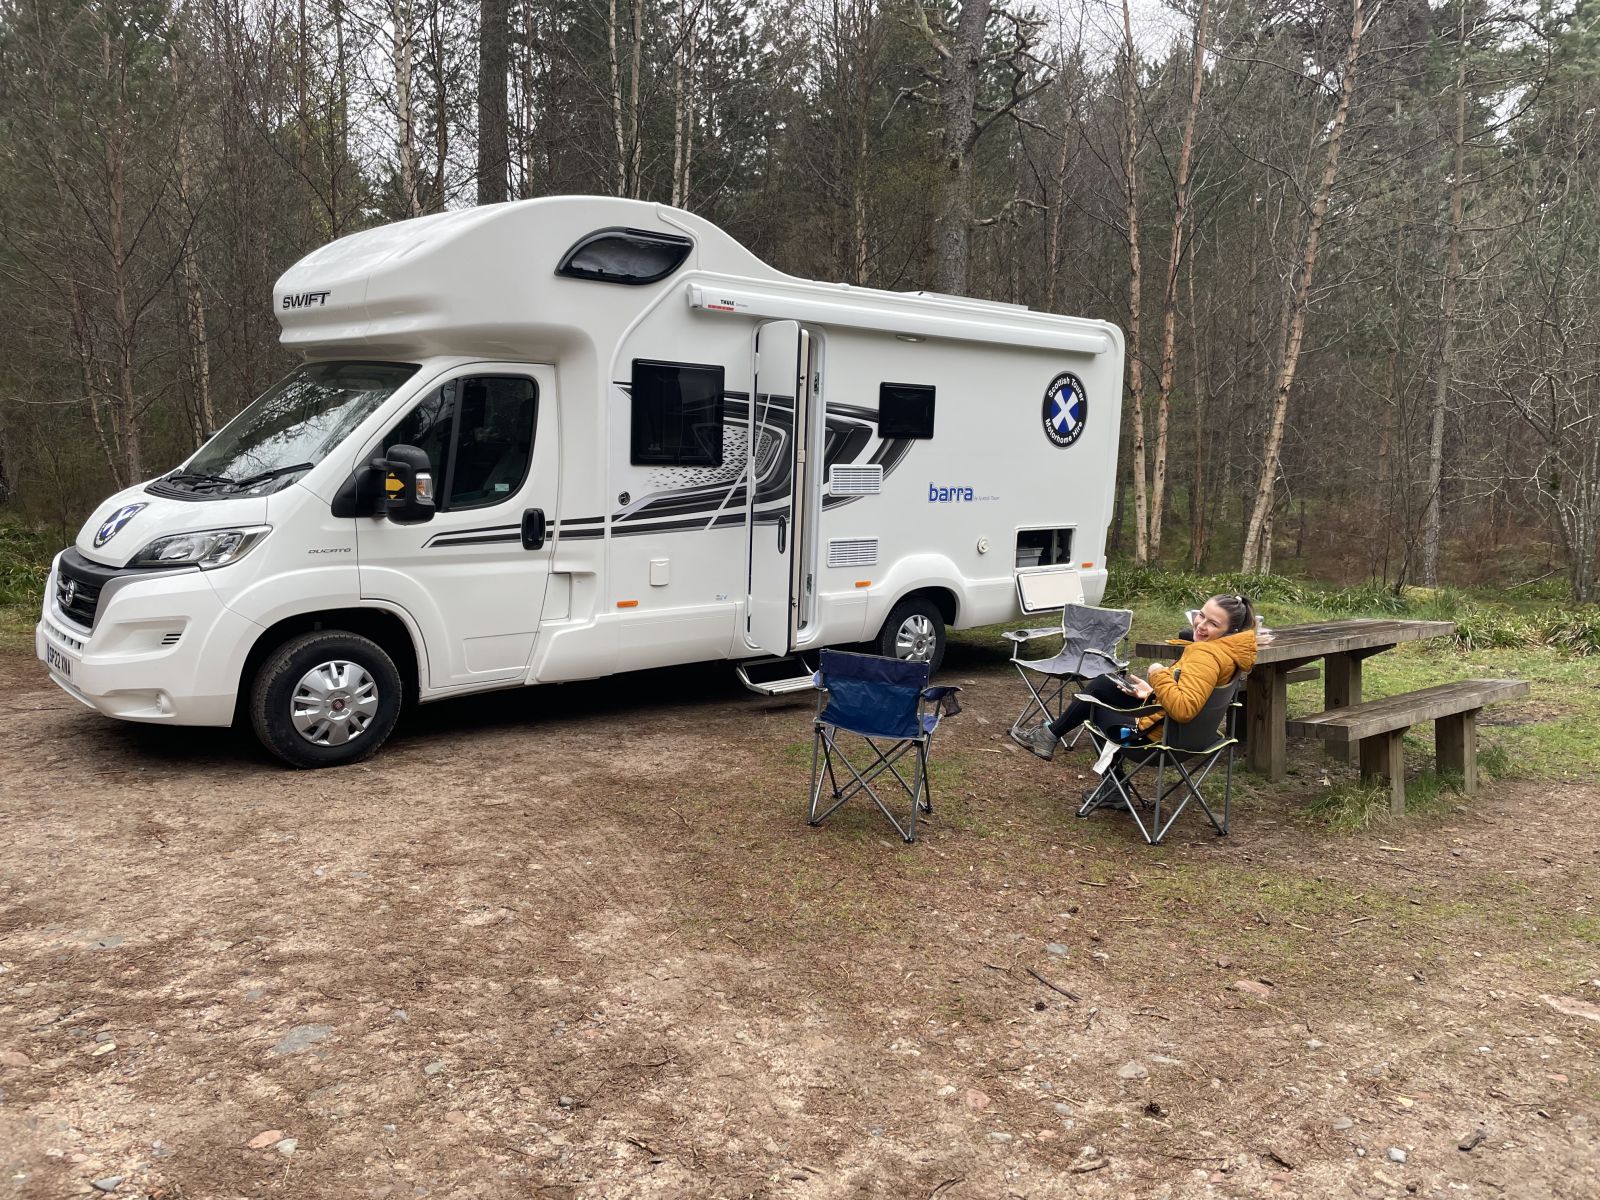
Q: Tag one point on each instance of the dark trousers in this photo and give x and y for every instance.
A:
(1105, 690)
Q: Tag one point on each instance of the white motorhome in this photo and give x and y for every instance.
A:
(556, 439)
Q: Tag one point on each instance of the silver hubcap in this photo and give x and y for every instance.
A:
(915, 639)
(334, 702)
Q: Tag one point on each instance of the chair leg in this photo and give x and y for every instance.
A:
(816, 776)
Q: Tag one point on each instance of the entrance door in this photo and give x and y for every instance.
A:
(474, 576)
(770, 475)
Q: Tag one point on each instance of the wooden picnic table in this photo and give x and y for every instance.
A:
(1342, 646)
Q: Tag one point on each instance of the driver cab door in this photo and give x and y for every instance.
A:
(473, 577)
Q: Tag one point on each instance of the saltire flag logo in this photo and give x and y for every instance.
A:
(1066, 409)
(114, 523)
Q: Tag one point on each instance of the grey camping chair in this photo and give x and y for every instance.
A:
(1189, 751)
(1093, 641)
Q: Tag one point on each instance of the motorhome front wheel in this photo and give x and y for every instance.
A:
(325, 699)
(915, 632)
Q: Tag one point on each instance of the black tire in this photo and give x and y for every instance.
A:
(273, 712)
(913, 630)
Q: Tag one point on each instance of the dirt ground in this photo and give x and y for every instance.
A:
(579, 942)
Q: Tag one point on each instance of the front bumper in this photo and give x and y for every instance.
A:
(162, 649)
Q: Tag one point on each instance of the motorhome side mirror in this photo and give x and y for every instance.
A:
(407, 485)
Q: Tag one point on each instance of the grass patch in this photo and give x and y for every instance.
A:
(1352, 806)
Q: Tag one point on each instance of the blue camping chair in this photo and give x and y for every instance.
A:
(888, 704)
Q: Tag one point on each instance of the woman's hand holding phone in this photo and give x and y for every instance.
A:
(1138, 687)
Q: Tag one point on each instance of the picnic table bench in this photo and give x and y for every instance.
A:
(1378, 728)
(1341, 645)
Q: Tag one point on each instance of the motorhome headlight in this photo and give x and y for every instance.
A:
(205, 549)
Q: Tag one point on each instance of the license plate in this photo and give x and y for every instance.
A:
(58, 661)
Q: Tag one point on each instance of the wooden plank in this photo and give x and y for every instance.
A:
(1303, 643)
(1266, 708)
(1390, 713)
(1341, 688)
(1383, 758)
(1455, 741)
(1302, 675)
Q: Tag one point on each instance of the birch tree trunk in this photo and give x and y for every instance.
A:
(406, 140)
(1197, 485)
(1169, 306)
(194, 307)
(679, 110)
(1447, 318)
(958, 98)
(438, 67)
(1130, 196)
(615, 63)
(494, 143)
(1058, 205)
(635, 141)
(1257, 539)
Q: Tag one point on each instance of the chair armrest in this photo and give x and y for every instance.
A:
(943, 699)
(1120, 664)
(1138, 710)
(1221, 745)
(1028, 635)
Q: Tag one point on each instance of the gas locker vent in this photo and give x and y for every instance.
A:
(865, 480)
(852, 552)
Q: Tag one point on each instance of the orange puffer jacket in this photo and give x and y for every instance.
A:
(1202, 668)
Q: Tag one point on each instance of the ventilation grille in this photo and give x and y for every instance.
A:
(852, 552)
(171, 639)
(62, 636)
(864, 480)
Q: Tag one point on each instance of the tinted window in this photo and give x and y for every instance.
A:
(905, 410)
(677, 414)
(496, 440)
(492, 448)
(625, 256)
(428, 427)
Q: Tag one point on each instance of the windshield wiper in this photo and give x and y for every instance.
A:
(250, 481)
(198, 477)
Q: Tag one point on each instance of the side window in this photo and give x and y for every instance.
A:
(905, 410)
(478, 435)
(496, 440)
(677, 414)
(429, 426)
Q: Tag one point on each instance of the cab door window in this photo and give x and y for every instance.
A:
(478, 435)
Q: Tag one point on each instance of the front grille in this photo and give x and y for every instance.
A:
(62, 636)
(77, 592)
(80, 582)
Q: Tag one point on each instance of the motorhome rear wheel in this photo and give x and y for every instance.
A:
(325, 699)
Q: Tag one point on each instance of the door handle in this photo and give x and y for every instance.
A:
(783, 533)
(533, 529)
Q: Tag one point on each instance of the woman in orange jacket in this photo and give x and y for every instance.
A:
(1224, 645)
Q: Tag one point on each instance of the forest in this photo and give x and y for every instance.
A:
(1354, 244)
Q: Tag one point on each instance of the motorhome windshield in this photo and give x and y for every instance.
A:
(290, 428)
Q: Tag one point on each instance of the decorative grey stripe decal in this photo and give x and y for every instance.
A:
(479, 540)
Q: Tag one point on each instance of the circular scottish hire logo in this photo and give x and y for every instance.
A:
(1066, 409)
(114, 523)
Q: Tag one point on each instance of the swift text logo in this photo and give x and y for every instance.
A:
(306, 299)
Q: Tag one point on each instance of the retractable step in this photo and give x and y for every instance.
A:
(775, 676)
